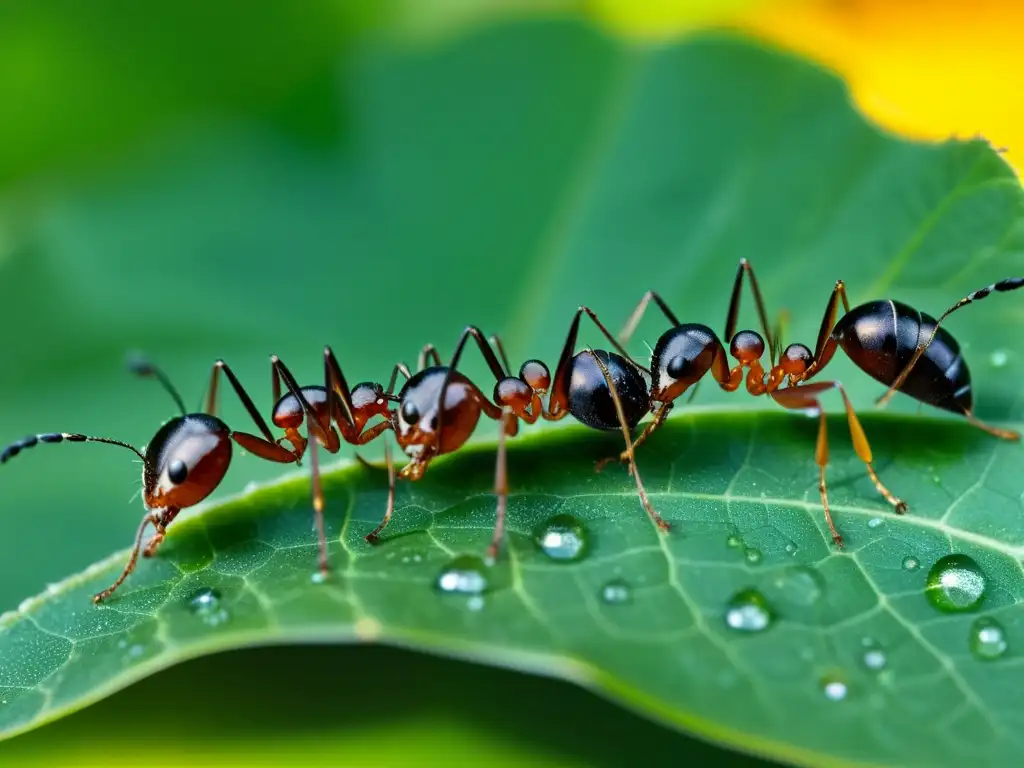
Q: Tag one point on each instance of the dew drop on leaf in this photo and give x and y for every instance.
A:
(318, 577)
(563, 537)
(753, 556)
(988, 639)
(999, 358)
(616, 592)
(465, 575)
(834, 689)
(733, 541)
(798, 584)
(955, 583)
(791, 548)
(873, 658)
(911, 563)
(748, 611)
(875, 522)
(475, 603)
(205, 603)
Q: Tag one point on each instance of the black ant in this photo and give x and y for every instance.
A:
(883, 338)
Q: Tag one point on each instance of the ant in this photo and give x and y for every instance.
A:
(586, 385)
(190, 454)
(882, 337)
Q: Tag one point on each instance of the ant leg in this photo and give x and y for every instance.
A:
(659, 418)
(500, 486)
(249, 441)
(1009, 284)
(634, 319)
(826, 346)
(427, 354)
(1003, 434)
(657, 519)
(151, 517)
(734, 308)
(371, 538)
(400, 368)
(318, 507)
(804, 397)
(495, 341)
(321, 435)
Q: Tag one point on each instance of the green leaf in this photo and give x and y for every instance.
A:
(659, 642)
(634, 168)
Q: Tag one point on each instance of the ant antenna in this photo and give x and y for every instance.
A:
(31, 441)
(140, 366)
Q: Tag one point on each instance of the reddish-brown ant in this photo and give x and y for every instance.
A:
(883, 338)
(190, 454)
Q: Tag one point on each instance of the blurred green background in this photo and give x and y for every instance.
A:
(239, 179)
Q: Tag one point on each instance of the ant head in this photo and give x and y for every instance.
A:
(795, 359)
(185, 461)
(416, 421)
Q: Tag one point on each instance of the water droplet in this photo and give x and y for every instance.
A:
(791, 548)
(563, 537)
(748, 611)
(988, 639)
(911, 563)
(875, 522)
(999, 358)
(318, 577)
(475, 603)
(834, 690)
(733, 541)
(873, 658)
(753, 556)
(122, 644)
(798, 584)
(616, 592)
(135, 651)
(465, 575)
(955, 583)
(205, 603)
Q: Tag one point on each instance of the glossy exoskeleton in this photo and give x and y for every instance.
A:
(895, 344)
(190, 454)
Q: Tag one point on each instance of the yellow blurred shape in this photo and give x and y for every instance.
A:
(927, 70)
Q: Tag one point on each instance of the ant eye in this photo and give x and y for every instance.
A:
(410, 413)
(177, 472)
(677, 367)
(433, 423)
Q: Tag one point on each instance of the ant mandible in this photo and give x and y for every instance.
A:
(883, 338)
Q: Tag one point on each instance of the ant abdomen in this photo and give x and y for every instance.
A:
(288, 413)
(680, 358)
(881, 336)
(590, 399)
